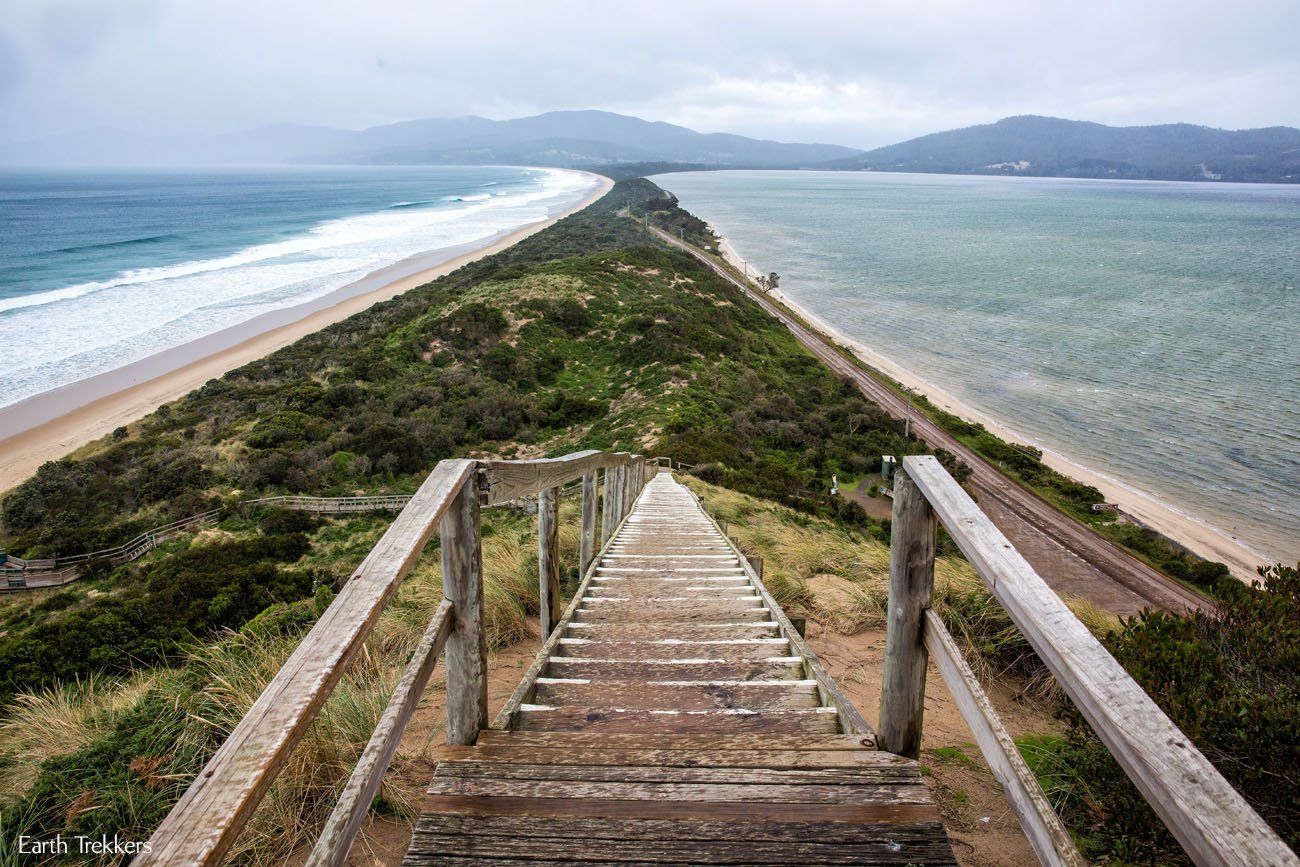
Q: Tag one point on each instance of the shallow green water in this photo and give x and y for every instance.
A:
(1146, 330)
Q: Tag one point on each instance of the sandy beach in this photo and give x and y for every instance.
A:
(1182, 527)
(50, 425)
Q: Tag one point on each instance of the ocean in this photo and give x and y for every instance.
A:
(1148, 331)
(100, 269)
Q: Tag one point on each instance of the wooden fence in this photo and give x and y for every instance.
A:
(210, 815)
(1212, 822)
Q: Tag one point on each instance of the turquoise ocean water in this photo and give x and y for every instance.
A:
(100, 269)
(1149, 331)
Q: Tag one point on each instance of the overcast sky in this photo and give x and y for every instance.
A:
(854, 73)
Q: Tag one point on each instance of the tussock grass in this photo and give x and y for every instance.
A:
(157, 754)
(60, 721)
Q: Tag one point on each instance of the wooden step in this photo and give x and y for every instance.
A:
(616, 719)
(741, 612)
(571, 667)
(865, 774)
(678, 694)
(641, 631)
(731, 649)
(471, 839)
(681, 789)
(574, 742)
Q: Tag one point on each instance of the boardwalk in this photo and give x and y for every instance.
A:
(672, 721)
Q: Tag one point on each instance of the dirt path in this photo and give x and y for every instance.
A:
(1070, 556)
(983, 830)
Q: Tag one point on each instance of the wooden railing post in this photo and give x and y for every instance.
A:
(548, 558)
(607, 522)
(466, 649)
(911, 581)
(618, 494)
(587, 547)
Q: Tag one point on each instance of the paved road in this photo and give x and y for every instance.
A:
(1070, 556)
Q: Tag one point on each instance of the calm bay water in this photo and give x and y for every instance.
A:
(1150, 331)
(99, 269)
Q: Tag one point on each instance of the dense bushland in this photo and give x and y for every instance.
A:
(1230, 679)
(534, 350)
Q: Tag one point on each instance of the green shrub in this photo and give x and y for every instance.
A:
(1230, 679)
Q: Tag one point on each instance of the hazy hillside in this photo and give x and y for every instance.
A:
(1033, 145)
(560, 138)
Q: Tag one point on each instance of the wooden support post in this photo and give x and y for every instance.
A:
(548, 558)
(911, 581)
(607, 522)
(587, 548)
(462, 584)
(756, 563)
(620, 493)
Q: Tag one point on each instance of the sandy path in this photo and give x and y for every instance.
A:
(51, 425)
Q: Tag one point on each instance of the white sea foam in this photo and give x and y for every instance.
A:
(95, 326)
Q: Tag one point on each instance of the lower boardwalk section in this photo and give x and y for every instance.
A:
(672, 720)
(564, 798)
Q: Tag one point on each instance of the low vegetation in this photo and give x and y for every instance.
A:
(1230, 679)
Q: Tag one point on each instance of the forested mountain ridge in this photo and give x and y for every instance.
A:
(1054, 147)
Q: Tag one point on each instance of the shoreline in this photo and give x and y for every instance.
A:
(56, 423)
(1183, 528)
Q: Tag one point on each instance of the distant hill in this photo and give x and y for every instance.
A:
(1033, 145)
(559, 138)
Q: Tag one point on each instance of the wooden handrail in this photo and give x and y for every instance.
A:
(205, 822)
(1208, 817)
(349, 813)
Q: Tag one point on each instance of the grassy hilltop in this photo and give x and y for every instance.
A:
(116, 689)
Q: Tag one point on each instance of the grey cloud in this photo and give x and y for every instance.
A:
(849, 72)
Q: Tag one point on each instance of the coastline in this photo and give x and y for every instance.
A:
(51, 425)
(1183, 528)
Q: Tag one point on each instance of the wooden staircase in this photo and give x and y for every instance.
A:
(674, 714)
(670, 719)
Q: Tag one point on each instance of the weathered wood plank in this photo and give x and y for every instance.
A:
(775, 759)
(354, 802)
(587, 545)
(639, 631)
(1046, 833)
(739, 612)
(462, 583)
(870, 775)
(922, 849)
(204, 823)
(612, 719)
(650, 669)
(607, 523)
(677, 829)
(679, 695)
(548, 559)
(510, 480)
(742, 811)
(859, 795)
(733, 649)
(1212, 822)
(911, 581)
(718, 741)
